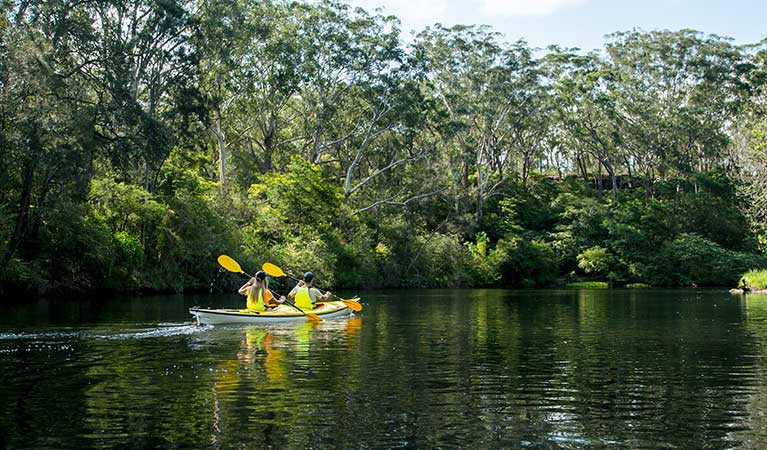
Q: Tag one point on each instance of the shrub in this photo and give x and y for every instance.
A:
(129, 248)
(482, 274)
(693, 260)
(524, 263)
(595, 260)
(440, 260)
(361, 260)
(588, 284)
(756, 278)
(306, 251)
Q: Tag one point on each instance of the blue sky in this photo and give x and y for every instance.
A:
(582, 23)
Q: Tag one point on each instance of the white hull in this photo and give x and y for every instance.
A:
(281, 314)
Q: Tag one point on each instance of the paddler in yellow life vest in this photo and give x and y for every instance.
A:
(306, 296)
(260, 298)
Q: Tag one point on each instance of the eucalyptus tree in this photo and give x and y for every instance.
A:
(676, 93)
(251, 74)
(221, 34)
(587, 114)
(750, 156)
(358, 107)
(494, 103)
(343, 52)
(318, 79)
(393, 160)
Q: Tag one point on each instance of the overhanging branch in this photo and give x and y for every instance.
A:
(391, 201)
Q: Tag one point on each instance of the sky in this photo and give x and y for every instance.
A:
(581, 23)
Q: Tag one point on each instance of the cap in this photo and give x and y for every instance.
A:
(260, 275)
(308, 276)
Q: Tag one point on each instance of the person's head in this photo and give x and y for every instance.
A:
(308, 278)
(260, 278)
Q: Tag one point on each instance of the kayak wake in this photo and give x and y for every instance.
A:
(160, 331)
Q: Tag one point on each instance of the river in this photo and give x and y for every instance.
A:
(480, 369)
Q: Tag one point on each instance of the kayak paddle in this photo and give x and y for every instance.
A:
(232, 266)
(275, 271)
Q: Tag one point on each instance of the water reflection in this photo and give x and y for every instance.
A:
(260, 391)
(419, 369)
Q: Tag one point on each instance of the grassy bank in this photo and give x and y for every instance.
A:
(757, 279)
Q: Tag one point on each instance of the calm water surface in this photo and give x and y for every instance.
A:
(484, 369)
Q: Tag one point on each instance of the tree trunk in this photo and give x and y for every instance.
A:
(615, 185)
(525, 168)
(22, 220)
(269, 141)
(600, 184)
(648, 185)
(480, 191)
(222, 152)
(582, 166)
(316, 155)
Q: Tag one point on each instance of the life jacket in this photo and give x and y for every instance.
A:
(258, 304)
(303, 299)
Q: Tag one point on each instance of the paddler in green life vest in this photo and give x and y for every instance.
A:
(305, 296)
(260, 298)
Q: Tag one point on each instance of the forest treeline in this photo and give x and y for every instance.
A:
(139, 139)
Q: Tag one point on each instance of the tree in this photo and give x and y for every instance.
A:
(142, 67)
(46, 139)
(675, 93)
(494, 102)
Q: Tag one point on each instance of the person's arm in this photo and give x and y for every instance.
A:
(244, 289)
(318, 296)
(292, 293)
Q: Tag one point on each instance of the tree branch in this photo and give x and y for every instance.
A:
(389, 201)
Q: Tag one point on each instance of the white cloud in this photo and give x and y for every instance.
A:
(510, 8)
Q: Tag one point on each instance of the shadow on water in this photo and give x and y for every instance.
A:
(415, 369)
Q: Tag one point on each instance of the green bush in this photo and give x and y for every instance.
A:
(588, 284)
(523, 263)
(306, 251)
(185, 243)
(480, 269)
(301, 196)
(693, 260)
(78, 251)
(439, 261)
(19, 276)
(756, 279)
(361, 260)
(596, 260)
(129, 248)
(122, 206)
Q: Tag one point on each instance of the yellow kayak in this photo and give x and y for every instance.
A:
(282, 313)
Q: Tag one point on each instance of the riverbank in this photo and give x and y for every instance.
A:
(749, 292)
(752, 282)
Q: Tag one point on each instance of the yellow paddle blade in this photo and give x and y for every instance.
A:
(273, 270)
(313, 317)
(353, 304)
(229, 264)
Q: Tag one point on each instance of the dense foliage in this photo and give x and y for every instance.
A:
(140, 139)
